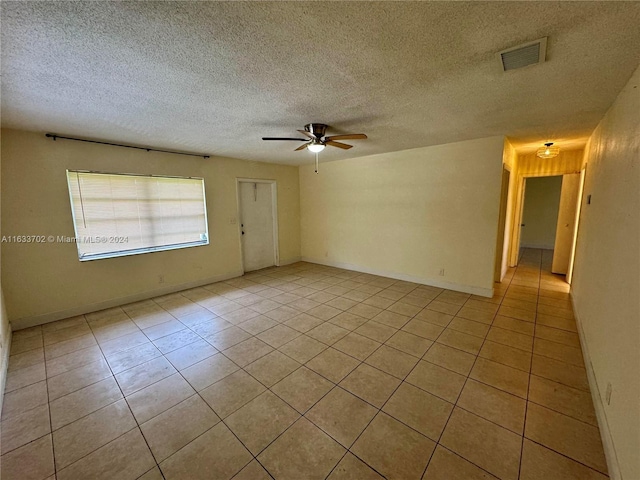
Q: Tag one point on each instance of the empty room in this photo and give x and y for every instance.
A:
(320, 240)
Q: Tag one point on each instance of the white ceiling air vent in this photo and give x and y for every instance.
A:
(529, 53)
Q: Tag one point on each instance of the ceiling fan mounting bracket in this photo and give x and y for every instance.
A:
(316, 129)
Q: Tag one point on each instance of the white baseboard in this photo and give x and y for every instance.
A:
(27, 322)
(483, 292)
(605, 433)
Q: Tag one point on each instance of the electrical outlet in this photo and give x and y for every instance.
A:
(442, 272)
(160, 278)
(608, 393)
(232, 220)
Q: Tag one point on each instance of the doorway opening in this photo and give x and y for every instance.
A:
(258, 223)
(548, 220)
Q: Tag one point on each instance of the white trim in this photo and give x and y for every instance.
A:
(274, 210)
(4, 362)
(601, 414)
(483, 292)
(274, 213)
(576, 227)
(238, 227)
(27, 322)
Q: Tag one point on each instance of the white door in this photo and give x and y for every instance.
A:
(256, 225)
(567, 219)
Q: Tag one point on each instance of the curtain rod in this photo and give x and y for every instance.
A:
(148, 149)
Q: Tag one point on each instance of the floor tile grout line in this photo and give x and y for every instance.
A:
(561, 413)
(53, 447)
(101, 408)
(32, 408)
(567, 457)
(155, 382)
(93, 451)
(464, 384)
(403, 380)
(78, 389)
(361, 361)
(390, 396)
(292, 424)
(587, 424)
(465, 459)
(467, 378)
(526, 406)
(303, 415)
(130, 411)
(255, 456)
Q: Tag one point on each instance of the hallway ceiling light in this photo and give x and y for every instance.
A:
(548, 151)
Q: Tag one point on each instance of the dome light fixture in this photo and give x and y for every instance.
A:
(548, 151)
(316, 147)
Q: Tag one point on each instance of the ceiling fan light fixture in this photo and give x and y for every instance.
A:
(315, 138)
(548, 151)
(316, 147)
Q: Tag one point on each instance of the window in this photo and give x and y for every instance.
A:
(118, 214)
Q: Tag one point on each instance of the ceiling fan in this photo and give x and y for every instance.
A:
(316, 140)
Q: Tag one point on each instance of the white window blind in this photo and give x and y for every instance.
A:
(120, 214)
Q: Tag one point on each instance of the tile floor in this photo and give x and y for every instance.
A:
(308, 372)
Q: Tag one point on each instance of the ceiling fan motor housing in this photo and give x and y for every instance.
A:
(317, 129)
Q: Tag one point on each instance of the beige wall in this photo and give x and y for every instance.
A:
(540, 213)
(43, 281)
(606, 280)
(5, 330)
(568, 161)
(408, 214)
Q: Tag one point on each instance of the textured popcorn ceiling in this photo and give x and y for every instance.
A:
(214, 77)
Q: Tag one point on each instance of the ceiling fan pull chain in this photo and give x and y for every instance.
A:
(316, 170)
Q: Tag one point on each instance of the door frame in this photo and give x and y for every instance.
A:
(274, 209)
(514, 253)
(572, 257)
(503, 221)
(514, 248)
(523, 200)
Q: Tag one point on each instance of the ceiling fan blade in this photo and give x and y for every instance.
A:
(285, 138)
(302, 147)
(344, 146)
(308, 134)
(348, 136)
